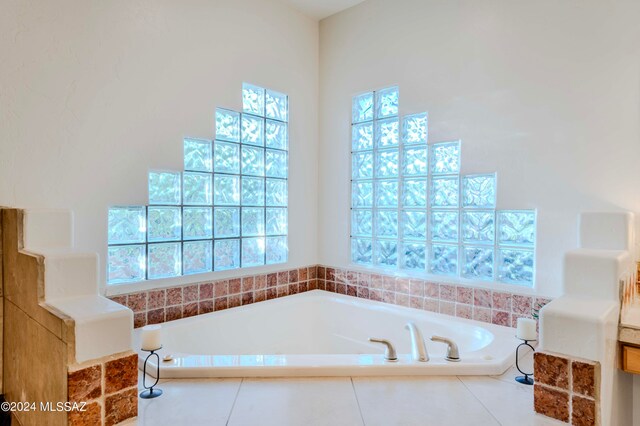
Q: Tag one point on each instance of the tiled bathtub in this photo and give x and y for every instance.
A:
(319, 333)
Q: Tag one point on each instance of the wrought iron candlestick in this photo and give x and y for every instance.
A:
(525, 380)
(151, 391)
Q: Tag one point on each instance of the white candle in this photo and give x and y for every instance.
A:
(150, 338)
(526, 329)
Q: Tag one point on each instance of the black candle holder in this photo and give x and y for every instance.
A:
(525, 380)
(150, 392)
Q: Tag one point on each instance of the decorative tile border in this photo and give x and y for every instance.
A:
(567, 389)
(486, 305)
(108, 387)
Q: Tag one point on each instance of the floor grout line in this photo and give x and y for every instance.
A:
(478, 399)
(353, 386)
(234, 402)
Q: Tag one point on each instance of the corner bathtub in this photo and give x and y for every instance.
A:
(318, 333)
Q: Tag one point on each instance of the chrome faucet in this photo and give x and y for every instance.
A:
(389, 351)
(418, 348)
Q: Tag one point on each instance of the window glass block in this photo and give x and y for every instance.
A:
(415, 256)
(227, 125)
(414, 128)
(253, 161)
(276, 221)
(387, 163)
(253, 252)
(445, 158)
(362, 194)
(197, 257)
(252, 222)
(477, 263)
(479, 191)
(444, 226)
(226, 254)
(387, 132)
(362, 108)
(387, 102)
(444, 192)
(127, 225)
(226, 222)
(276, 192)
(252, 130)
(165, 260)
(414, 225)
(362, 165)
(386, 193)
(386, 253)
(515, 266)
(226, 190)
(361, 251)
(126, 263)
(196, 223)
(164, 224)
(226, 157)
(197, 155)
(196, 188)
(387, 223)
(414, 161)
(414, 193)
(276, 163)
(361, 223)
(478, 227)
(443, 260)
(276, 134)
(164, 188)
(277, 250)
(252, 99)
(252, 191)
(276, 106)
(362, 136)
(517, 227)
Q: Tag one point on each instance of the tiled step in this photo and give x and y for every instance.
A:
(102, 327)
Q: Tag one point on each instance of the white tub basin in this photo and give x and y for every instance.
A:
(318, 333)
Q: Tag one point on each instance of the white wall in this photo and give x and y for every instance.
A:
(545, 93)
(93, 94)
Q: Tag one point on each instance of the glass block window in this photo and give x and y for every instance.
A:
(227, 209)
(412, 209)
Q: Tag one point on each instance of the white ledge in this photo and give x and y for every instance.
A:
(102, 327)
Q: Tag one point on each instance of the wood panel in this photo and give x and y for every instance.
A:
(631, 359)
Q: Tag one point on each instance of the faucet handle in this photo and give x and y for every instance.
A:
(389, 352)
(453, 354)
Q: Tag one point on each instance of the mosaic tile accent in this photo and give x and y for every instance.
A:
(566, 389)
(481, 304)
(109, 387)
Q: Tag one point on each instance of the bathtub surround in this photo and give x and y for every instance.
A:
(41, 341)
(582, 325)
(567, 389)
(482, 304)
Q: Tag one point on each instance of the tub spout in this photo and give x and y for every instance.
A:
(418, 348)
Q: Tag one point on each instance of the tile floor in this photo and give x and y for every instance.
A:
(437, 401)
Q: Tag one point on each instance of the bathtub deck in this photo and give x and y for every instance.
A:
(452, 400)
